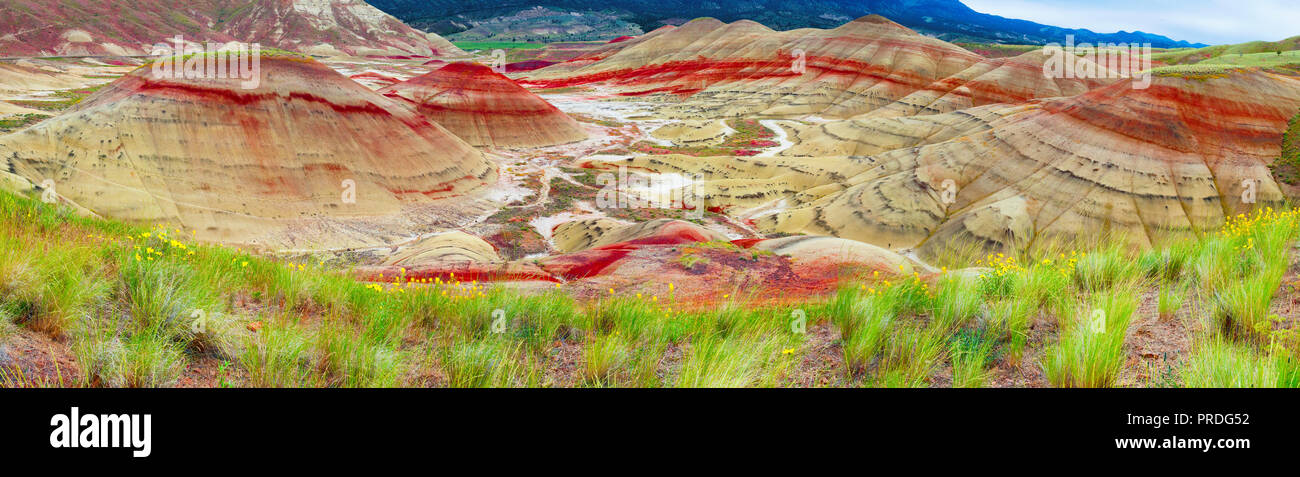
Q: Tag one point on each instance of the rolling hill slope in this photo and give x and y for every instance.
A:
(117, 27)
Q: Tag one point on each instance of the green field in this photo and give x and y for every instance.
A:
(1255, 53)
(496, 45)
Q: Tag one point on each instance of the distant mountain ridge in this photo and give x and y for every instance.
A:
(949, 20)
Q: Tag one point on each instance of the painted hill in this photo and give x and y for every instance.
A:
(269, 166)
(1154, 164)
(86, 27)
(743, 68)
(486, 108)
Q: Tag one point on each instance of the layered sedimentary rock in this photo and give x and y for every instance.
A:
(869, 134)
(821, 251)
(7, 109)
(653, 232)
(39, 28)
(747, 68)
(694, 133)
(1168, 161)
(307, 158)
(1011, 81)
(486, 108)
(610, 250)
(1147, 164)
(687, 268)
(450, 247)
(870, 65)
(25, 76)
(576, 235)
(330, 26)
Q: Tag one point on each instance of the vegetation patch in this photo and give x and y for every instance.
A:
(749, 137)
(496, 45)
(20, 121)
(1200, 72)
(1286, 169)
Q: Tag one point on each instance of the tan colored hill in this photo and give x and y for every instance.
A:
(485, 108)
(694, 132)
(868, 65)
(270, 166)
(602, 232)
(450, 247)
(1153, 164)
(1000, 80)
(327, 27)
(747, 68)
(330, 27)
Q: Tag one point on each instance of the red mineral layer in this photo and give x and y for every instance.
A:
(241, 164)
(527, 65)
(704, 72)
(485, 108)
(1186, 115)
(588, 263)
(746, 243)
(381, 78)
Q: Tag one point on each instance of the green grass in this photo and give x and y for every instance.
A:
(865, 329)
(1169, 299)
(995, 50)
(496, 45)
(1241, 309)
(136, 305)
(1090, 352)
(971, 352)
(1009, 320)
(1286, 169)
(1217, 363)
(20, 121)
(602, 359)
(1199, 71)
(956, 302)
(1222, 53)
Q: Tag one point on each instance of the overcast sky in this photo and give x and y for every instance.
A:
(1197, 21)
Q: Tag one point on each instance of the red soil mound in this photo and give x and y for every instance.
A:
(240, 165)
(95, 27)
(486, 108)
(372, 77)
(862, 66)
(521, 66)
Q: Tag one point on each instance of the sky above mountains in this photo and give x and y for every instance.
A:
(1204, 21)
